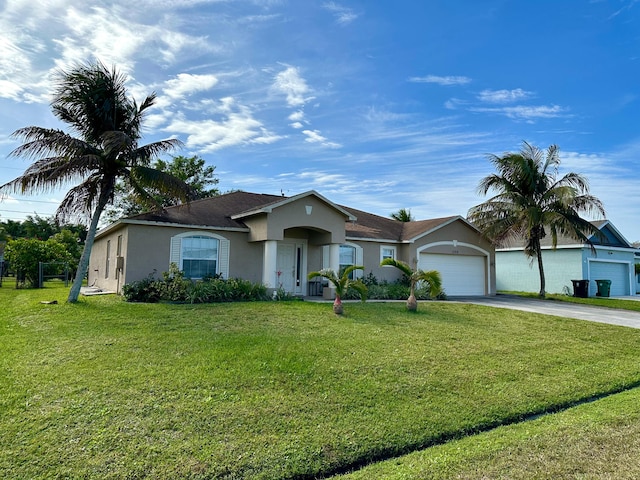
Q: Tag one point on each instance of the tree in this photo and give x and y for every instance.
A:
(342, 284)
(38, 227)
(403, 215)
(72, 244)
(532, 202)
(191, 170)
(92, 100)
(25, 254)
(430, 277)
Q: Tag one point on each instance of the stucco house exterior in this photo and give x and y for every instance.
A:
(612, 258)
(277, 240)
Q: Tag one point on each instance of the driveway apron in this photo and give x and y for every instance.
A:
(611, 316)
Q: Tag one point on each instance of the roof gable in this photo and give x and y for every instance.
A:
(268, 208)
(608, 236)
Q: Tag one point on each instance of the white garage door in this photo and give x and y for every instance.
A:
(461, 274)
(618, 273)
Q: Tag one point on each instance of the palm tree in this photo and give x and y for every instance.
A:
(403, 215)
(93, 101)
(342, 284)
(531, 202)
(430, 277)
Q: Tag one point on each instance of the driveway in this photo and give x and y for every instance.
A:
(611, 316)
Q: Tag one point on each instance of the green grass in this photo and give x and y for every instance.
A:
(595, 440)
(609, 302)
(106, 389)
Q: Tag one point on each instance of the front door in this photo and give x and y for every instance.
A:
(290, 267)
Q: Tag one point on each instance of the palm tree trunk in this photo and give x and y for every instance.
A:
(412, 303)
(541, 269)
(74, 293)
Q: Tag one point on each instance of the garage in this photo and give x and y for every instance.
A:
(617, 272)
(462, 275)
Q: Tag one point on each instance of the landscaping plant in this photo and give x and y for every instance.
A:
(431, 278)
(342, 284)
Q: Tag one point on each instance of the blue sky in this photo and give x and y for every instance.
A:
(376, 105)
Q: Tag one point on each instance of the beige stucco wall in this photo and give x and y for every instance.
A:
(323, 219)
(441, 241)
(97, 273)
(442, 238)
(146, 251)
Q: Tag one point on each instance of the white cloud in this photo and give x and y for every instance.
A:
(524, 112)
(10, 90)
(290, 83)
(296, 116)
(296, 125)
(314, 136)
(235, 127)
(342, 14)
(446, 81)
(504, 96)
(185, 84)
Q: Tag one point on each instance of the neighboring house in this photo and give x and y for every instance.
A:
(276, 240)
(612, 258)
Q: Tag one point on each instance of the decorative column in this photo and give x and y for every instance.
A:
(334, 257)
(270, 264)
(334, 264)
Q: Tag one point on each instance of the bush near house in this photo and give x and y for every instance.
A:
(173, 287)
(398, 290)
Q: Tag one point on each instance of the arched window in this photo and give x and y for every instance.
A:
(200, 254)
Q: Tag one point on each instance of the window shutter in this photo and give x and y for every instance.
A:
(174, 251)
(223, 257)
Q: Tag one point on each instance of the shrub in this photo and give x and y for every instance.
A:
(173, 287)
(145, 290)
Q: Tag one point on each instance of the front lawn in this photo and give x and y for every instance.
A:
(107, 389)
(594, 440)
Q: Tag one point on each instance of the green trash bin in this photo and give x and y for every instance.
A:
(604, 288)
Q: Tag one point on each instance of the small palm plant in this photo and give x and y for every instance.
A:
(342, 284)
(430, 277)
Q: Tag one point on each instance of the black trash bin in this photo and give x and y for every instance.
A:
(580, 288)
(604, 288)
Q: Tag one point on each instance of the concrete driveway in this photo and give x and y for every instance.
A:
(611, 316)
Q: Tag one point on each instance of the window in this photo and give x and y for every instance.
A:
(118, 255)
(199, 253)
(347, 258)
(199, 256)
(387, 252)
(106, 267)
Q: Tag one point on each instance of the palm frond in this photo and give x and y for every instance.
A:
(399, 264)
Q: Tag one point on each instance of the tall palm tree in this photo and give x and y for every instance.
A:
(403, 215)
(532, 202)
(431, 277)
(93, 101)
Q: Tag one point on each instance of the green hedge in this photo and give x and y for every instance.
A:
(173, 287)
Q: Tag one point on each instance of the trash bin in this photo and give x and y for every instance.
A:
(580, 288)
(604, 288)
